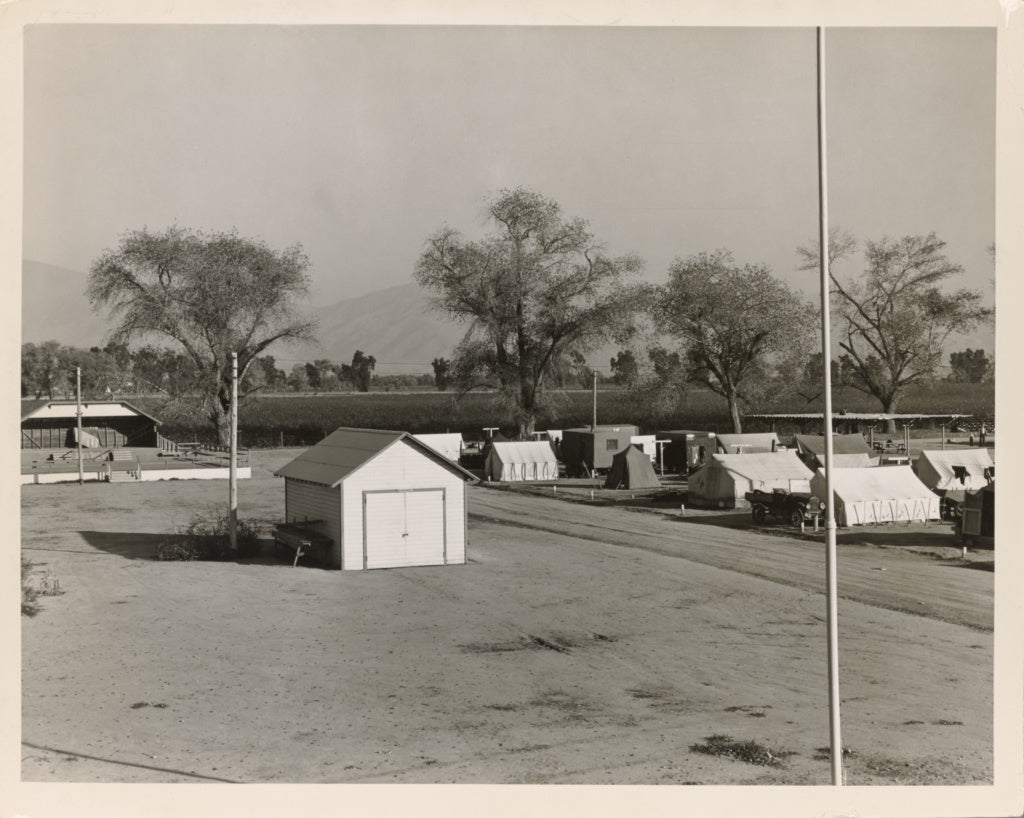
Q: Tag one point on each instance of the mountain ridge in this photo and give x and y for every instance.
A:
(396, 324)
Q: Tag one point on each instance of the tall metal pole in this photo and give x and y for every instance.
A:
(594, 426)
(835, 740)
(78, 415)
(232, 473)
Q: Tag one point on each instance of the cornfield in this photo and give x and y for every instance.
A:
(302, 420)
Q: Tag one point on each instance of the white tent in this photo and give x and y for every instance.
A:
(647, 444)
(449, 445)
(726, 478)
(881, 495)
(521, 460)
(955, 470)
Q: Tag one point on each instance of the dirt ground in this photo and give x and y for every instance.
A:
(582, 644)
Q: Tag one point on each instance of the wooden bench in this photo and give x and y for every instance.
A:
(301, 539)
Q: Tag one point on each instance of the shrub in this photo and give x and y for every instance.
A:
(208, 537)
(29, 605)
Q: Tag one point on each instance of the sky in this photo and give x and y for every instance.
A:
(358, 142)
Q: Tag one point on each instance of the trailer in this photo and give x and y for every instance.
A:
(589, 450)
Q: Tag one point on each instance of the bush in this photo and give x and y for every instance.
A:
(48, 585)
(208, 537)
(29, 605)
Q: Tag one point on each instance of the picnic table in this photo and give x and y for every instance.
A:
(890, 446)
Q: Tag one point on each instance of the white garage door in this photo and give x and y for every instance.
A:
(403, 528)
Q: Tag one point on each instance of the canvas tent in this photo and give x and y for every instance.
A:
(631, 469)
(955, 470)
(448, 444)
(726, 478)
(756, 443)
(884, 495)
(848, 451)
(520, 460)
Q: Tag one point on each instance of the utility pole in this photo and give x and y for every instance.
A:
(233, 443)
(835, 740)
(78, 415)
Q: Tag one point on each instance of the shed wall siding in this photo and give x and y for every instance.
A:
(309, 501)
(396, 468)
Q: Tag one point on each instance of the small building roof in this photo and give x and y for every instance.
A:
(838, 416)
(344, 450)
(92, 409)
(841, 444)
(748, 442)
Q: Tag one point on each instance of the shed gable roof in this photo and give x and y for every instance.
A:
(344, 450)
(841, 444)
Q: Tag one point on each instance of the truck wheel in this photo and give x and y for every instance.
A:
(796, 517)
(760, 513)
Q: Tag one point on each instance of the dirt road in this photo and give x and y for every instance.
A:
(941, 589)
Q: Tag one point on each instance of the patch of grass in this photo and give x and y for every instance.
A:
(749, 752)
(495, 647)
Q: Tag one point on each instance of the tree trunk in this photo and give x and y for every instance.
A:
(526, 415)
(222, 423)
(734, 411)
(889, 407)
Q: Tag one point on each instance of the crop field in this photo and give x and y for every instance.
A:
(304, 419)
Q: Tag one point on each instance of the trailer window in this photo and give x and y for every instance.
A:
(612, 445)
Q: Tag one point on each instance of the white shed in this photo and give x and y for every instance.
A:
(384, 499)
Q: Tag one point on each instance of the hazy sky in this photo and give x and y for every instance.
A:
(359, 142)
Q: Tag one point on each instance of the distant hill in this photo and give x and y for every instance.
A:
(396, 326)
(54, 307)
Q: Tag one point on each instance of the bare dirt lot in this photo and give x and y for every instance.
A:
(581, 643)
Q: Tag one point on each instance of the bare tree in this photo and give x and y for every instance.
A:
(536, 294)
(895, 318)
(211, 294)
(732, 322)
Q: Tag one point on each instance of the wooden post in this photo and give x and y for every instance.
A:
(78, 415)
(232, 470)
(594, 425)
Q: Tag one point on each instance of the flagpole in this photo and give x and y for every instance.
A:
(835, 740)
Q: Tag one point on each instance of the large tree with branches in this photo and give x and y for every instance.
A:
(536, 294)
(210, 294)
(736, 323)
(895, 318)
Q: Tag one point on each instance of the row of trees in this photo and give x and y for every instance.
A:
(535, 296)
(540, 291)
(48, 370)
